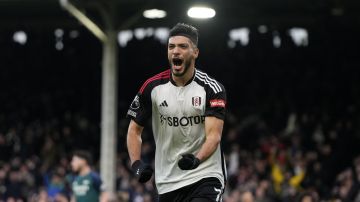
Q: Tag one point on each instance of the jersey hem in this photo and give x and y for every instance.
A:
(189, 182)
(215, 115)
(136, 121)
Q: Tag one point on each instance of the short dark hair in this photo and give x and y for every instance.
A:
(83, 154)
(189, 31)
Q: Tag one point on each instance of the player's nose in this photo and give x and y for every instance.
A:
(176, 50)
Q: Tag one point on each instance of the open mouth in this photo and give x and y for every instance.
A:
(177, 62)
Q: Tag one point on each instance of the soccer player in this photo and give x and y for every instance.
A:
(187, 108)
(87, 185)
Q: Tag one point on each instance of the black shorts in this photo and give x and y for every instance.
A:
(205, 190)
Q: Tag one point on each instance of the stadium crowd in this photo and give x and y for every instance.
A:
(271, 167)
(291, 129)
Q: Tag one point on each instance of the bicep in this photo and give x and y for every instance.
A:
(135, 128)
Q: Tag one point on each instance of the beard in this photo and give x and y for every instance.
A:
(186, 64)
(75, 170)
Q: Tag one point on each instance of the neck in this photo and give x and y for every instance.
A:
(184, 79)
(85, 170)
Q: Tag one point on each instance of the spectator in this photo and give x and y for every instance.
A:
(87, 185)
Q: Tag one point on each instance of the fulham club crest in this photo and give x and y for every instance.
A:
(196, 101)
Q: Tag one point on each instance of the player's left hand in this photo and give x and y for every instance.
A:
(188, 162)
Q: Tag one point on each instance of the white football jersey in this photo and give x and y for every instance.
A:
(178, 121)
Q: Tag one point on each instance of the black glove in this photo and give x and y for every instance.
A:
(142, 171)
(188, 162)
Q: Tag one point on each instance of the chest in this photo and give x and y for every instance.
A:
(81, 186)
(170, 100)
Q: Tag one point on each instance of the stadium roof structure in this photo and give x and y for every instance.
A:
(48, 13)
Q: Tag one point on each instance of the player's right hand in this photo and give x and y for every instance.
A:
(142, 171)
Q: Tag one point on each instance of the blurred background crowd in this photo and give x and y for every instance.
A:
(291, 130)
(308, 158)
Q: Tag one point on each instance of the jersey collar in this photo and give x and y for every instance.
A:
(192, 78)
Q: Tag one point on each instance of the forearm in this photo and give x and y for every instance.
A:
(134, 147)
(134, 142)
(209, 147)
(213, 131)
(104, 197)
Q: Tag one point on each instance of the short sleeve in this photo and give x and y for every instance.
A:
(216, 103)
(140, 108)
(97, 183)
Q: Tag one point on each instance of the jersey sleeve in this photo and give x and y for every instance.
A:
(97, 183)
(140, 108)
(216, 103)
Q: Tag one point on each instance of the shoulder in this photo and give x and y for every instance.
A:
(96, 181)
(94, 176)
(208, 82)
(158, 79)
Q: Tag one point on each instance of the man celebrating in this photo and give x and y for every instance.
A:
(187, 108)
(87, 185)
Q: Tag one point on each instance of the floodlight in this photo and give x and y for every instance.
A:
(20, 37)
(201, 12)
(154, 13)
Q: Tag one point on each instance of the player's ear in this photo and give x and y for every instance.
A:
(196, 52)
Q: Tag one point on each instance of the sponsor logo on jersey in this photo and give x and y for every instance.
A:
(182, 121)
(196, 101)
(131, 113)
(135, 103)
(80, 189)
(217, 103)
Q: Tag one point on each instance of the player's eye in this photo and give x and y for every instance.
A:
(171, 46)
(183, 46)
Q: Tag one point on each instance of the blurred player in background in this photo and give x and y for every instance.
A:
(187, 108)
(87, 185)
